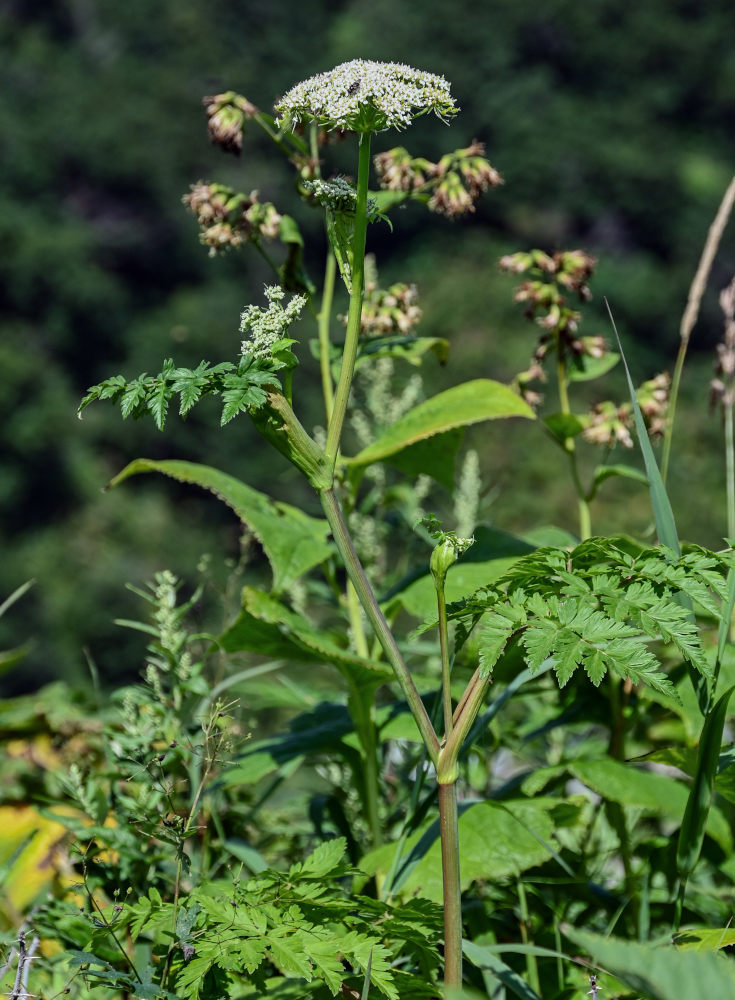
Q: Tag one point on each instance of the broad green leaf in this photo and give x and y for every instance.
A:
(293, 541)
(435, 457)
(659, 972)
(656, 793)
(469, 403)
(268, 627)
(705, 939)
(495, 841)
(603, 472)
(483, 958)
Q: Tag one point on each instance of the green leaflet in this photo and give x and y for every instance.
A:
(293, 541)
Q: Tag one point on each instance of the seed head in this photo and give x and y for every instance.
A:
(366, 96)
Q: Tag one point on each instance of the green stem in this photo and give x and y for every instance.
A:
(449, 834)
(323, 321)
(446, 772)
(531, 963)
(730, 470)
(583, 508)
(446, 666)
(352, 335)
(362, 710)
(367, 598)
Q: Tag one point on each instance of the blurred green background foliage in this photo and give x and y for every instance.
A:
(611, 125)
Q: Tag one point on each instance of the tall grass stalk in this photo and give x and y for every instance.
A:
(691, 312)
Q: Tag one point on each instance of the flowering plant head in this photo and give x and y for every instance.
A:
(366, 96)
(268, 328)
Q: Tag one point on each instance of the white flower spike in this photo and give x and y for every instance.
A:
(365, 96)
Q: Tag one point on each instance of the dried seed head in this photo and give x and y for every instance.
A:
(366, 96)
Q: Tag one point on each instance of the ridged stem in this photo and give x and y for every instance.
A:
(449, 833)
(356, 575)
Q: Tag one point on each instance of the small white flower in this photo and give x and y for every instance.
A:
(267, 326)
(366, 96)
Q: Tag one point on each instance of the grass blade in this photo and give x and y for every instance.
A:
(662, 512)
(691, 834)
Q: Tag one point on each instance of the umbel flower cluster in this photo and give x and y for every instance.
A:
(366, 96)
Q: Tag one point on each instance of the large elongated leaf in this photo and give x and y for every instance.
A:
(469, 403)
(659, 972)
(293, 541)
(268, 627)
(495, 841)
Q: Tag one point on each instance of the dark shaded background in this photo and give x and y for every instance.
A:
(612, 124)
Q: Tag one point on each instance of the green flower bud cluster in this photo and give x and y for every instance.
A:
(338, 195)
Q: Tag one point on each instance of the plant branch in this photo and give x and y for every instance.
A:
(356, 574)
(323, 325)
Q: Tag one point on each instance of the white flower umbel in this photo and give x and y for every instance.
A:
(267, 326)
(365, 96)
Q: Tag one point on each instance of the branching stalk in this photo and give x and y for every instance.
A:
(324, 344)
(446, 666)
(356, 574)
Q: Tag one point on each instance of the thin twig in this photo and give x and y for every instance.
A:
(691, 312)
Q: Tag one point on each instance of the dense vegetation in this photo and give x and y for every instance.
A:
(610, 126)
(367, 754)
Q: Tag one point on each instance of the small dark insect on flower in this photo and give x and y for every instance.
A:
(353, 87)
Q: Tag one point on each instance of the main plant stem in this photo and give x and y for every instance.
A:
(585, 523)
(352, 336)
(449, 834)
